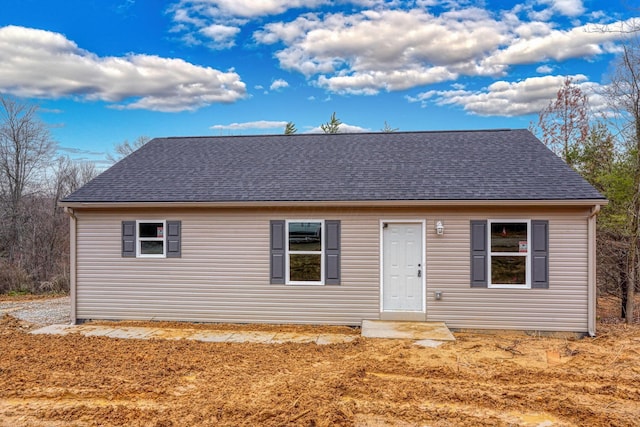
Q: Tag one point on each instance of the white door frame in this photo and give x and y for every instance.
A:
(423, 224)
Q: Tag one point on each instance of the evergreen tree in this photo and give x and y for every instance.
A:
(290, 128)
(332, 126)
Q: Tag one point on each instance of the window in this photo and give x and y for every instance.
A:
(509, 260)
(151, 239)
(510, 254)
(305, 252)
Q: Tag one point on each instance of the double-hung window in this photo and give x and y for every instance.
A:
(305, 252)
(509, 254)
(151, 238)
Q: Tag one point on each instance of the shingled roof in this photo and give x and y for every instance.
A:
(431, 166)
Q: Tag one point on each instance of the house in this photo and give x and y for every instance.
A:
(479, 229)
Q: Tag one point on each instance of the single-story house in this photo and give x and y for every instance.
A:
(482, 229)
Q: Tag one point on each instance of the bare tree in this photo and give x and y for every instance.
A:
(26, 149)
(332, 126)
(564, 123)
(34, 231)
(623, 92)
(125, 148)
(69, 175)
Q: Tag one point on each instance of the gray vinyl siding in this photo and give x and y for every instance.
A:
(224, 275)
(562, 307)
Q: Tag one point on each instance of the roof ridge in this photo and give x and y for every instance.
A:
(342, 133)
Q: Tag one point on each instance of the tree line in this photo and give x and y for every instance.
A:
(605, 149)
(34, 231)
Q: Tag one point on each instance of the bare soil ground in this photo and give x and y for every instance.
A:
(479, 380)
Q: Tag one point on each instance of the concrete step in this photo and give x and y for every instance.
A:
(436, 331)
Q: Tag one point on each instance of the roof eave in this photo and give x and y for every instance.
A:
(335, 203)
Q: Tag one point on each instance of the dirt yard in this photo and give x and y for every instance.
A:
(478, 380)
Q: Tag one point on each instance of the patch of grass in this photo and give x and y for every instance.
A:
(18, 293)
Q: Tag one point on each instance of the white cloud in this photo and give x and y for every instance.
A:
(343, 128)
(223, 36)
(373, 50)
(503, 98)
(544, 69)
(260, 124)
(560, 45)
(44, 64)
(278, 84)
(391, 45)
(192, 17)
(570, 8)
(243, 8)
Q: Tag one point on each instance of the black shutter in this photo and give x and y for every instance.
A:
(540, 254)
(332, 252)
(174, 232)
(278, 249)
(478, 254)
(128, 239)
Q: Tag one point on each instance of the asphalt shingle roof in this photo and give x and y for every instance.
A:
(456, 165)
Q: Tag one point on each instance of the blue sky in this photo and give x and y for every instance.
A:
(108, 71)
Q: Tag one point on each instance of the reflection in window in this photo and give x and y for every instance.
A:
(151, 238)
(305, 251)
(304, 268)
(509, 253)
(508, 237)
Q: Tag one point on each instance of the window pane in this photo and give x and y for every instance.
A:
(305, 236)
(151, 248)
(508, 270)
(151, 229)
(509, 237)
(304, 268)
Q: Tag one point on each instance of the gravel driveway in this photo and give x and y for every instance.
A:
(41, 312)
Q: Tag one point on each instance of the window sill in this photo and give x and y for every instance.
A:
(509, 286)
(305, 284)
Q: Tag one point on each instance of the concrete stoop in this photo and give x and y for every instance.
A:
(427, 334)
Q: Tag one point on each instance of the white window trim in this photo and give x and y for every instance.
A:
(288, 280)
(139, 239)
(490, 254)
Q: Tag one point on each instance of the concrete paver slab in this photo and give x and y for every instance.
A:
(54, 330)
(130, 332)
(324, 339)
(208, 336)
(172, 334)
(94, 331)
(251, 336)
(282, 337)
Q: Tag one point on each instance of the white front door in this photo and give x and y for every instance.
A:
(402, 269)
